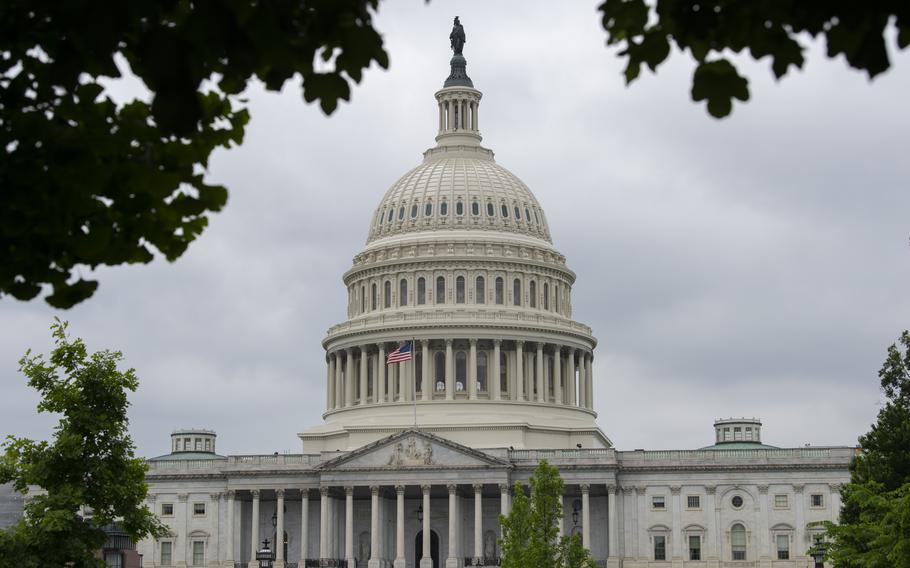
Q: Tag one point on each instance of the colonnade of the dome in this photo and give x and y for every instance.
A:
(468, 369)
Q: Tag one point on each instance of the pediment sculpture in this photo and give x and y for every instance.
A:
(410, 455)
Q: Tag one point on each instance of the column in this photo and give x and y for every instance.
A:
(279, 529)
(254, 528)
(349, 525)
(427, 560)
(380, 376)
(589, 380)
(427, 380)
(612, 528)
(585, 515)
(503, 501)
(399, 528)
(476, 116)
(557, 374)
(364, 359)
(375, 561)
(331, 538)
(541, 388)
(711, 539)
(519, 370)
(229, 554)
(676, 537)
(494, 380)
(304, 525)
(330, 384)
(450, 372)
(835, 499)
(339, 381)
(582, 381)
(472, 370)
(570, 376)
(478, 520)
(764, 546)
(349, 379)
(800, 536)
(452, 560)
(323, 522)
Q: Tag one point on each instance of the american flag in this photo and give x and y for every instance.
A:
(400, 355)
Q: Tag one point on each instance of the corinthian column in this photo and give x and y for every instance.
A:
(586, 516)
(254, 532)
(304, 525)
(427, 559)
(364, 359)
(426, 380)
(279, 529)
(379, 387)
(339, 380)
(493, 381)
(349, 379)
(349, 526)
(229, 554)
(375, 561)
(323, 522)
(519, 370)
(472, 370)
(399, 528)
(557, 374)
(589, 380)
(541, 386)
(570, 376)
(478, 520)
(330, 383)
(453, 561)
(450, 372)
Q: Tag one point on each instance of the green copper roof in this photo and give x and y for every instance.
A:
(740, 446)
(181, 456)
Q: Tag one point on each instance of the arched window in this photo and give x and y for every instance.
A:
(504, 209)
(556, 297)
(401, 213)
(380, 217)
(546, 296)
(475, 208)
(414, 211)
(373, 305)
(490, 210)
(532, 294)
(444, 208)
(461, 369)
(428, 209)
(459, 208)
(441, 290)
(482, 371)
(527, 215)
(388, 294)
(421, 291)
(480, 291)
(363, 299)
(440, 368)
(403, 292)
(498, 291)
(516, 292)
(503, 377)
(738, 541)
(517, 213)
(459, 290)
(391, 212)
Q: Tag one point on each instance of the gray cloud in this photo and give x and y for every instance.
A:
(753, 266)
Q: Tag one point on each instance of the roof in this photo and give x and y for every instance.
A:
(740, 446)
(181, 456)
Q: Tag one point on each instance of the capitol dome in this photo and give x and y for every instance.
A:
(459, 270)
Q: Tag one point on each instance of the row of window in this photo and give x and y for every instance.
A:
(167, 553)
(738, 539)
(480, 293)
(781, 501)
(531, 217)
(167, 509)
(193, 444)
(738, 434)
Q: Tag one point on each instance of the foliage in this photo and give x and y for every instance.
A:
(530, 534)
(90, 462)
(711, 30)
(85, 183)
(874, 528)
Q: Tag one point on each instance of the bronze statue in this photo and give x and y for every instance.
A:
(457, 37)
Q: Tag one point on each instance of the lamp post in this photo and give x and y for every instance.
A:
(818, 554)
(264, 555)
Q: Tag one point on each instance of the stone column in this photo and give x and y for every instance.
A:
(349, 525)
(364, 359)
(323, 522)
(339, 380)
(330, 384)
(453, 561)
(399, 529)
(557, 375)
(472, 370)
(541, 387)
(427, 560)
(478, 520)
(585, 515)
(712, 543)
(379, 387)
(279, 529)
(582, 381)
(589, 380)
(476, 116)
(254, 532)
(835, 498)
(519, 370)
(612, 528)
(450, 372)
(229, 529)
(800, 536)
(504, 499)
(375, 560)
(349, 379)
(304, 525)
(676, 538)
(570, 377)
(428, 385)
(493, 381)
(764, 546)
(331, 537)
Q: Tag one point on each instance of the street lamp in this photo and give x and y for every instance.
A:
(420, 513)
(575, 506)
(818, 554)
(265, 555)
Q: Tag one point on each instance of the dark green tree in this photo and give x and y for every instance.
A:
(874, 527)
(530, 534)
(84, 183)
(710, 30)
(89, 464)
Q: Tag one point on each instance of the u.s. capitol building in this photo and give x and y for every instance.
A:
(459, 260)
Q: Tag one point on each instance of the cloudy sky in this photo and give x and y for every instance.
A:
(755, 266)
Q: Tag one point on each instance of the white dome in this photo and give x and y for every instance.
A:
(466, 189)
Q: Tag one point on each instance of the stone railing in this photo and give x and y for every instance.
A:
(231, 462)
(275, 459)
(644, 458)
(537, 455)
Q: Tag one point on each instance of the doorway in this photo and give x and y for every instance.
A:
(434, 548)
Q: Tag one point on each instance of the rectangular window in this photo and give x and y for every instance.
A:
(167, 509)
(737, 433)
(658, 502)
(783, 547)
(113, 559)
(198, 508)
(693, 502)
(748, 434)
(781, 502)
(817, 500)
(660, 548)
(166, 553)
(208, 445)
(694, 547)
(198, 553)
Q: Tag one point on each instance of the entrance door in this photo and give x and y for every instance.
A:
(434, 548)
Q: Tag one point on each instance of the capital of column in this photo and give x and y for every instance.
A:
(628, 489)
(399, 489)
(215, 496)
(324, 491)
(710, 489)
(425, 488)
(503, 487)
(675, 489)
(585, 488)
(611, 489)
(478, 487)
(798, 488)
(835, 487)
(763, 489)
(151, 497)
(348, 490)
(304, 492)
(279, 493)
(640, 489)
(520, 343)
(497, 342)
(374, 490)
(230, 493)
(452, 487)
(449, 342)
(473, 341)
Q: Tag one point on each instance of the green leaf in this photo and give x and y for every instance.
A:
(719, 83)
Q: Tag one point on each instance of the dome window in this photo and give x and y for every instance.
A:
(498, 291)
(459, 290)
(403, 292)
(379, 220)
(480, 291)
(444, 208)
(459, 208)
(475, 209)
(505, 211)
(546, 296)
(414, 211)
(401, 213)
(373, 301)
(517, 213)
(490, 210)
(421, 291)
(388, 294)
(516, 292)
(391, 212)
(527, 215)
(532, 294)
(536, 218)
(428, 210)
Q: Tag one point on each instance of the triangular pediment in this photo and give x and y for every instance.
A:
(414, 449)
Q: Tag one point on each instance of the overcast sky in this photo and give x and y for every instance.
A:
(755, 266)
